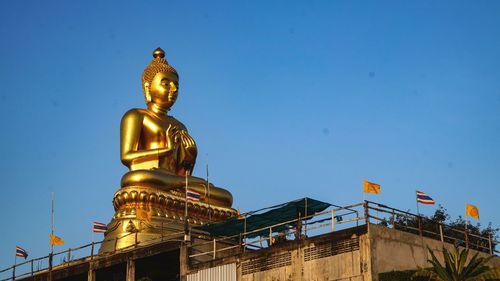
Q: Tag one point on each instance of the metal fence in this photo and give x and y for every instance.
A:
(72, 256)
(330, 220)
(337, 218)
(425, 227)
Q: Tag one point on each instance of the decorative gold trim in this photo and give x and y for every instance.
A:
(128, 200)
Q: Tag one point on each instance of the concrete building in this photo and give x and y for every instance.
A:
(339, 243)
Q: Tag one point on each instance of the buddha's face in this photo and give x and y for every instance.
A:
(163, 89)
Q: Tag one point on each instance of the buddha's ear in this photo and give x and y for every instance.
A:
(147, 95)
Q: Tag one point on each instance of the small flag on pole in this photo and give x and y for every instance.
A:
(20, 252)
(192, 195)
(99, 227)
(56, 240)
(424, 198)
(370, 187)
(239, 215)
(471, 211)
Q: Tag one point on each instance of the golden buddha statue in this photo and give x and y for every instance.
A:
(157, 147)
(160, 154)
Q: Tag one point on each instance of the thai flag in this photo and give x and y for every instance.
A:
(20, 252)
(99, 227)
(192, 195)
(424, 198)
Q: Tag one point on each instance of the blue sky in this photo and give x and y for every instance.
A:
(288, 99)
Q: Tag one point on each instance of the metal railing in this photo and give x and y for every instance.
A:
(335, 219)
(326, 221)
(331, 220)
(68, 257)
(426, 227)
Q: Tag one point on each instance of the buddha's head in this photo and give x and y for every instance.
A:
(160, 81)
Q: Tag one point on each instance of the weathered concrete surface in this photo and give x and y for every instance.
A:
(352, 254)
(343, 255)
(342, 266)
(394, 250)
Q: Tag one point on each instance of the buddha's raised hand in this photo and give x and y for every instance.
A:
(186, 140)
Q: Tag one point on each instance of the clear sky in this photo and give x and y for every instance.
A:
(288, 99)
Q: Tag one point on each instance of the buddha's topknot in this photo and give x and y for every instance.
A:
(158, 64)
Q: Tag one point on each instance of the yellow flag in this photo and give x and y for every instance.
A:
(370, 187)
(143, 215)
(56, 240)
(471, 211)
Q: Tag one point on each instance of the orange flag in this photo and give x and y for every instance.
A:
(471, 211)
(56, 240)
(370, 187)
(239, 215)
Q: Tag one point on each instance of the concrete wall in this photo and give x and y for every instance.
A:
(352, 254)
(394, 250)
(343, 255)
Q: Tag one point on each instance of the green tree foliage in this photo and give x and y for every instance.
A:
(453, 231)
(455, 268)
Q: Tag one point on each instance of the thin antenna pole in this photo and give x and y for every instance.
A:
(52, 227)
(208, 190)
(14, 268)
(364, 193)
(466, 231)
(416, 198)
(186, 227)
(466, 218)
(51, 256)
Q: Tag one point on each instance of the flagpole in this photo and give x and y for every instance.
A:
(364, 193)
(51, 256)
(186, 226)
(208, 190)
(466, 218)
(418, 211)
(14, 268)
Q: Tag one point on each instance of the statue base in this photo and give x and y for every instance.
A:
(145, 215)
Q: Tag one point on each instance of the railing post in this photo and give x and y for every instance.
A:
(116, 242)
(69, 255)
(241, 242)
(92, 251)
(215, 248)
(466, 239)
(14, 272)
(367, 215)
(441, 232)
(333, 221)
(489, 242)
(305, 223)
(270, 236)
(393, 219)
(32, 266)
(135, 245)
(245, 234)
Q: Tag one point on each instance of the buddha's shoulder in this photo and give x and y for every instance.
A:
(135, 113)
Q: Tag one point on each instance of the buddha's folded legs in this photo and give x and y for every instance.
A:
(166, 181)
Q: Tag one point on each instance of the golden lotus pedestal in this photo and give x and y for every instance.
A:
(145, 215)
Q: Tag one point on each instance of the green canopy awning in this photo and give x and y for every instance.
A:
(263, 219)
